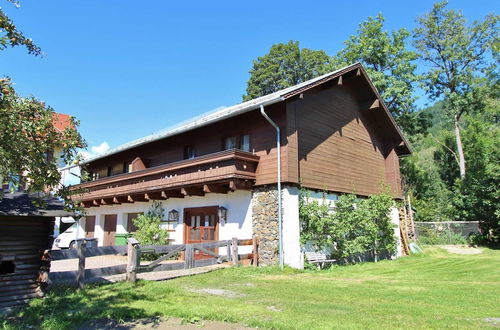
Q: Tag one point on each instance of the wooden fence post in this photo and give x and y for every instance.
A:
(255, 251)
(235, 251)
(133, 259)
(80, 276)
(189, 256)
(228, 253)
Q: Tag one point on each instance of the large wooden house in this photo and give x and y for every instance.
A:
(336, 136)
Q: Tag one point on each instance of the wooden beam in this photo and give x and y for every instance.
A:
(136, 198)
(121, 199)
(370, 104)
(155, 195)
(214, 188)
(240, 185)
(375, 104)
(176, 193)
(192, 191)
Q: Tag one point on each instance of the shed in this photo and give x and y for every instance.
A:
(26, 231)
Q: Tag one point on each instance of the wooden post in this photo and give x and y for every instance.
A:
(228, 253)
(133, 259)
(80, 276)
(235, 251)
(189, 257)
(255, 251)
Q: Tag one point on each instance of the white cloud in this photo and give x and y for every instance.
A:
(95, 150)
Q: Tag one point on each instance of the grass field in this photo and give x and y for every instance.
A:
(435, 290)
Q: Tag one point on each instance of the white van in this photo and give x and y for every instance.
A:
(68, 238)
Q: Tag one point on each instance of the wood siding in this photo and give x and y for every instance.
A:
(338, 147)
(22, 242)
(209, 139)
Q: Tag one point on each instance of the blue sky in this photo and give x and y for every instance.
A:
(126, 69)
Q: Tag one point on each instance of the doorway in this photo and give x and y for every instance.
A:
(109, 230)
(201, 224)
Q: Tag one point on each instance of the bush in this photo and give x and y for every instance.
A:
(149, 231)
(354, 227)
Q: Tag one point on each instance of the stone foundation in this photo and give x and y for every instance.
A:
(265, 223)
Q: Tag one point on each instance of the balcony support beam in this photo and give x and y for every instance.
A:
(192, 191)
(215, 188)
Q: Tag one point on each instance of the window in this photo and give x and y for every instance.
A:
(189, 152)
(230, 143)
(245, 142)
(7, 267)
(237, 142)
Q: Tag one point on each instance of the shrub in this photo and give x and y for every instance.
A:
(354, 227)
(149, 231)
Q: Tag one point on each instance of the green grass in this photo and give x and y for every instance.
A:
(435, 290)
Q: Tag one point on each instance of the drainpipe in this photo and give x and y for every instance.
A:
(278, 148)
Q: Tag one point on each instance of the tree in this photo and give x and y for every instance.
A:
(11, 36)
(28, 135)
(456, 56)
(391, 67)
(28, 140)
(285, 65)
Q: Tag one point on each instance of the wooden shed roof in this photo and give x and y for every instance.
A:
(22, 204)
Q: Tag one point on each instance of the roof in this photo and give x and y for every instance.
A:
(21, 204)
(228, 112)
(61, 121)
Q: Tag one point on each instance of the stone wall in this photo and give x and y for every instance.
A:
(265, 223)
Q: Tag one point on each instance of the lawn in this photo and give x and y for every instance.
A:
(436, 290)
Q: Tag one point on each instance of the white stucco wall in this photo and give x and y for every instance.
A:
(291, 228)
(397, 233)
(239, 222)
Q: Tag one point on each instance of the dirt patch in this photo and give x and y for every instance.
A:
(459, 249)
(219, 292)
(495, 321)
(163, 324)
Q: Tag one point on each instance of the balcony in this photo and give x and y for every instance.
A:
(213, 173)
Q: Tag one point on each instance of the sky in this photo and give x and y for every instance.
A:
(127, 69)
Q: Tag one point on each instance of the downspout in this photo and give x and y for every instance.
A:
(278, 148)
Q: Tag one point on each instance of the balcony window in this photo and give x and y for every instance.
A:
(189, 152)
(245, 142)
(230, 143)
(237, 142)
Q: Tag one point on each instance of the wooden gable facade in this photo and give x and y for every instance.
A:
(336, 135)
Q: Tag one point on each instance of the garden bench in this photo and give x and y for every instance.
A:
(318, 258)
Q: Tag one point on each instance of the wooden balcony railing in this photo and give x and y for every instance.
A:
(218, 172)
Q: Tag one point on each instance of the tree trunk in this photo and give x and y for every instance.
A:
(461, 158)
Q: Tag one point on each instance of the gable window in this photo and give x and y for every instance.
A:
(189, 152)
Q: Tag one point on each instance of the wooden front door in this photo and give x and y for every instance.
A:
(89, 226)
(109, 229)
(201, 224)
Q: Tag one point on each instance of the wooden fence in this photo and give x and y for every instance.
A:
(134, 251)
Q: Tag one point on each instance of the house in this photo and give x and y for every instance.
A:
(26, 232)
(336, 136)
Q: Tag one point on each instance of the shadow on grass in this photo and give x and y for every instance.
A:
(66, 308)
